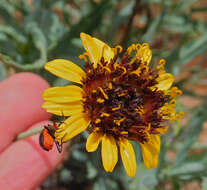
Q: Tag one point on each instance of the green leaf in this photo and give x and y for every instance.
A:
(48, 22)
(2, 71)
(88, 24)
(199, 9)
(152, 1)
(183, 5)
(153, 28)
(144, 179)
(8, 61)
(126, 10)
(13, 34)
(39, 39)
(190, 169)
(193, 49)
(7, 11)
(105, 184)
(3, 37)
(204, 182)
(92, 171)
(177, 24)
(194, 127)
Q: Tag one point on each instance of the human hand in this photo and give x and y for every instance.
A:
(23, 164)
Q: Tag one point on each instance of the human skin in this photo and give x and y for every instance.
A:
(23, 164)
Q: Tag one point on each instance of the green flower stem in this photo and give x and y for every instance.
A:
(199, 145)
(29, 133)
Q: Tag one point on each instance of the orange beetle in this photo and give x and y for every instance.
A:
(47, 138)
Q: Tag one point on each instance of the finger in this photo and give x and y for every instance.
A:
(20, 102)
(24, 165)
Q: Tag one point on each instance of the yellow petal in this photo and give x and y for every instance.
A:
(162, 130)
(71, 127)
(96, 49)
(66, 70)
(150, 151)
(128, 157)
(109, 153)
(93, 141)
(144, 54)
(165, 81)
(64, 109)
(65, 94)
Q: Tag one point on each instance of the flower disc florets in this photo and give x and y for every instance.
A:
(122, 99)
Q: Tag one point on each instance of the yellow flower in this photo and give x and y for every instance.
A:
(115, 100)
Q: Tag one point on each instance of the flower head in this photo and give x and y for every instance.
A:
(120, 99)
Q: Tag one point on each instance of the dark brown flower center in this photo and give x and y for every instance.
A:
(121, 102)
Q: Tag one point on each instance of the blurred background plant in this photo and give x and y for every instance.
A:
(35, 31)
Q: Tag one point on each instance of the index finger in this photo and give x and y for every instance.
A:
(20, 105)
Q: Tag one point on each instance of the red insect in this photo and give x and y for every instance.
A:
(47, 138)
